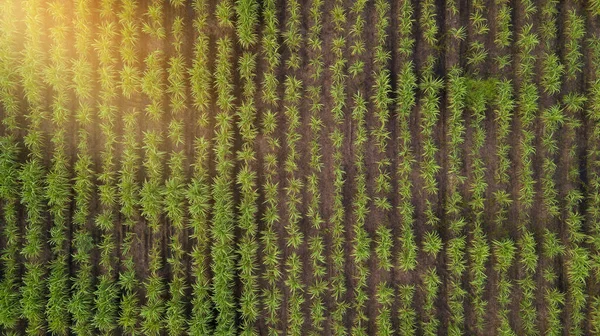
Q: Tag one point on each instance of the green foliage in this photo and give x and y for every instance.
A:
(222, 253)
(224, 13)
(574, 31)
(407, 85)
(432, 243)
(130, 73)
(555, 300)
(199, 73)
(247, 18)
(10, 309)
(198, 195)
(428, 23)
(153, 27)
(430, 286)
(308, 169)
(9, 193)
(456, 294)
(552, 73)
(407, 316)
(503, 20)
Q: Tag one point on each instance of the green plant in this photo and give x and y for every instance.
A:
(247, 18)
(432, 243)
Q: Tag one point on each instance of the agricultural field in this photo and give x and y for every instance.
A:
(299, 167)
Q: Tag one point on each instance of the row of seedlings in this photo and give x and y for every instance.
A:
(453, 199)
(593, 163)
(455, 249)
(362, 242)
(552, 119)
(31, 176)
(381, 99)
(58, 179)
(9, 170)
(128, 187)
(272, 294)
(405, 104)
(199, 193)
(480, 92)
(577, 256)
(429, 111)
(316, 244)
(223, 219)
(526, 107)
(293, 40)
(107, 292)
(152, 191)
(247, 19)
(503, 250)
(174, 190)
(82, 296)
(337, 92)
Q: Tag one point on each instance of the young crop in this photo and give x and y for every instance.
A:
(577, 258)
(58, 189)
(457, 92)
(593, 159)
(319, 283)
(527, 105)
(9, 173)
(476, 53)
(9, 186)
(293, 87)
(427, 21)
(130, 73)
(428, 119)
(480, 93)
(198, 196)
(247, 18)
(429, 112)
(106, 294)
(555, 299)
(151, 197)
(199, 73)
(528, 260)
(430, 286)
(338, 95)
(152, 190)
(174, 190)
(504, 32)
(272, 294)
(552, 119)
(504, 254)
(81, 300)
(456, 294)
(405, 93)
(129, 201)
(503, 109)
(246, 180)
(574, 31)
(31, 176)
(407, 317)
(260, 167)
(223, 253)
(361, 251)
(381, 101)
(32, 292)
